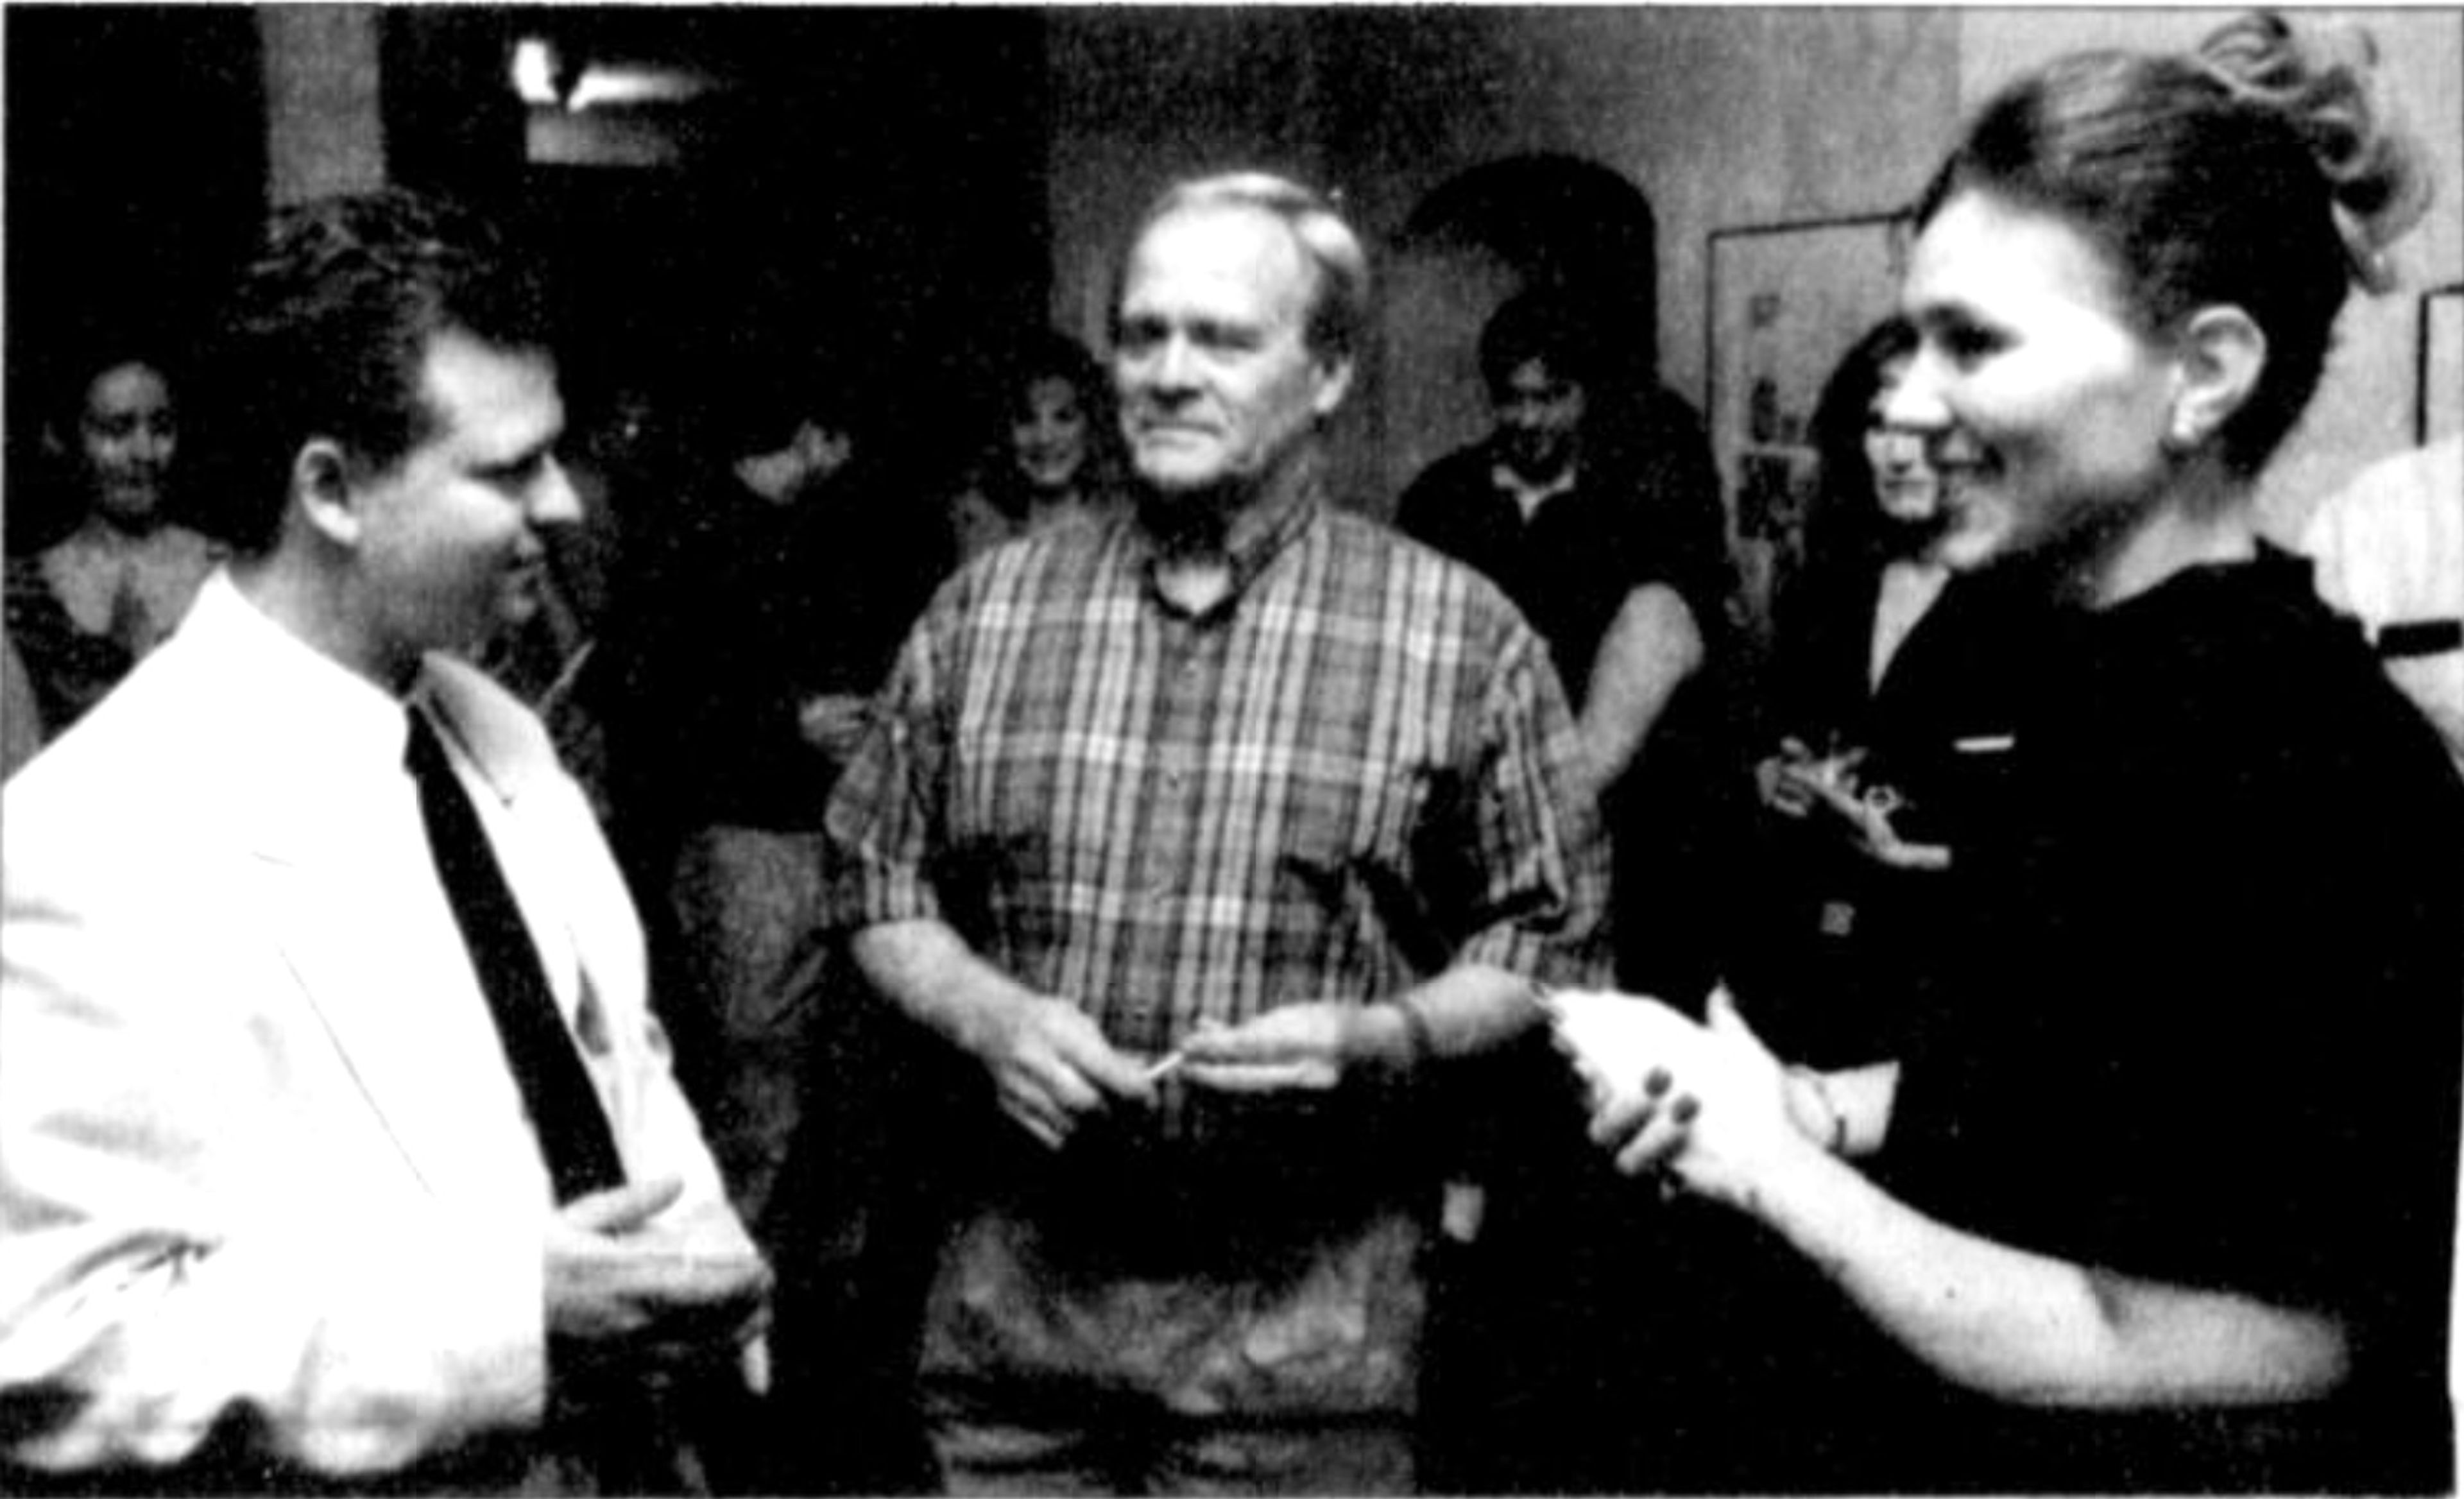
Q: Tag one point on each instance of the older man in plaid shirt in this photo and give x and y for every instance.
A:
(1210, 832)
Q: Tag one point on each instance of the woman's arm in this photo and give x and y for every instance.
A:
(2034, 1330)
(1714, 1110)
(1652, 646)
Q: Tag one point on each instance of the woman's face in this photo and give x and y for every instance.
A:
(1905, 483)
(2042, 410)
(127, 434)
(1048, 434)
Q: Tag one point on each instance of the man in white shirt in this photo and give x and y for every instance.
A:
(306, 1173)
(2390, 551)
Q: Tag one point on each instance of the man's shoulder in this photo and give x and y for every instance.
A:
(1443, 588)
(2273, 665)
(2402, 516)
(1056, 559)
(2427, 477)
(141, 762)
(1353, 532)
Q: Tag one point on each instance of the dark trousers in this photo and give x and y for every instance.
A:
(855, 1225)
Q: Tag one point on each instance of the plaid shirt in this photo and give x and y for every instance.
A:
(1354, 771)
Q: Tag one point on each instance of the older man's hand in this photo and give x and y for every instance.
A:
(835, 723)
(1309, 1046)
(1052, 1069)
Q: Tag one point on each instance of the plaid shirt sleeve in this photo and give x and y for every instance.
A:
(1539, 851)
(884, 815)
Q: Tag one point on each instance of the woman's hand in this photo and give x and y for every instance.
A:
(1863, 814)
(1783, 780)
(1707, 1104)
(1629, 1050)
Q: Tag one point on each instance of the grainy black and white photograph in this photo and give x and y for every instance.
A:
(1231, 749)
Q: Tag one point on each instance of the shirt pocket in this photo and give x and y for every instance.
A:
(1007, 845)
(1360, 853)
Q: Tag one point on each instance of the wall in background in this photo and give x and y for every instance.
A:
(857, 188)
(1724, 116)
(324, 123)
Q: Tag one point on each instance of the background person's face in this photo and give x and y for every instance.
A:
(127, 435)
(1905, 485)
(450, 548)
(1216, 381)
(2042, 408)
(1048, 434)
(1538, 416)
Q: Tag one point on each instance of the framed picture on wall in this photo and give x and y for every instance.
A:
(1787, 300)
(2438, 385)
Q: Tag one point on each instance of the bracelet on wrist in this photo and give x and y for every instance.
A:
(1813, 1082)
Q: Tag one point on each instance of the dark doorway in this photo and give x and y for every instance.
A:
(136, 180)
(1560, 221)
(1519, 222)
(863, 185)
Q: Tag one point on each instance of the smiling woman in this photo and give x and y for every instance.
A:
(82, 612)
(1055, 452)
(2053, 421)
(2162, 1174)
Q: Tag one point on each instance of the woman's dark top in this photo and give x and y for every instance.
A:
(2196, 1019)
(1644, 509)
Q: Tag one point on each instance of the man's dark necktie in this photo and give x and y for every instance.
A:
(564, 1109)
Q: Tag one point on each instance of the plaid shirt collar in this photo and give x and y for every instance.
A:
(1264, 530)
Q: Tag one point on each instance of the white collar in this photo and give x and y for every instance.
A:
(1528, 497)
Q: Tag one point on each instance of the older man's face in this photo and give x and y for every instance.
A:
(1216, 380)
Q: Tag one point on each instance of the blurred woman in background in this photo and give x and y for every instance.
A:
(1883, 669)
(87, 607)
(1057, 452)
(1869, 571)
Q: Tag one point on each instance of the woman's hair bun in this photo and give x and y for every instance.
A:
(2324, 82)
